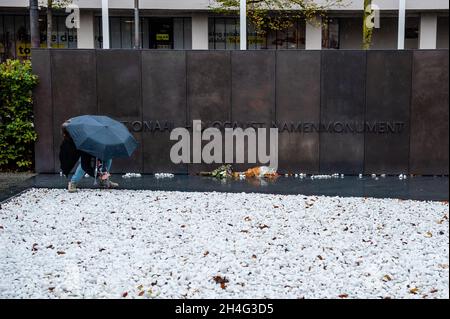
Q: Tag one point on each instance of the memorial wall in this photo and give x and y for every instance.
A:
(341, 111)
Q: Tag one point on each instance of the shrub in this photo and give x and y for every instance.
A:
(17, 133)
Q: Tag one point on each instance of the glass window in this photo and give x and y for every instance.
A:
(330, 34)
(291, 37)
(271, 39)
(72, 38)
(2, 40)
(231, 34)
(161, 33)
(62, 31)
(254, 40)
(156, 33)
(219, 34)
(412, 33)
(224, 34)
(145, 32)
(115, 34)
(10, 41)
(127, 32)
(442, 32)
(300, 34)
(98, 39)
(211, 33)
(282, 39)
(178, 33)
(187, 33)
(23, 47)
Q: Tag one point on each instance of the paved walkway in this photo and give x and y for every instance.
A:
(13, 183)
(417, 188)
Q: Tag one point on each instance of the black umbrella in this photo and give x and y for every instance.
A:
(101, 136)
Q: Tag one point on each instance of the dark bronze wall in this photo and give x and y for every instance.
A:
(408, 87)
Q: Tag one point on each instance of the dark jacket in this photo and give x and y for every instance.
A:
(69, 156)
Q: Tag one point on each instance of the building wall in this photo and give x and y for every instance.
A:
(193, 28)
(204, 4)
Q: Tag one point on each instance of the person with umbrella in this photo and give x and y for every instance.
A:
(96, 140)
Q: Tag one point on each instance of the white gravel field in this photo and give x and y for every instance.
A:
(157, 244)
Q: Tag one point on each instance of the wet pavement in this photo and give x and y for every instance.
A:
(13, 183)
(417, 188)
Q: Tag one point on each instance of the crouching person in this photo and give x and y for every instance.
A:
(69, 156)
(98, 170)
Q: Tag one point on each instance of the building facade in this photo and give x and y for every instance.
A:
(190, 24)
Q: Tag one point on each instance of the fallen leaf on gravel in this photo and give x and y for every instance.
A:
(221, 280)
(320, 257)
(428, 234)
(51, 289)
(34, 247)
(125, 294)
(262, 226)
(1, 227)
(254, 256)
(141, 293)
(49, 247)
(443, 266)
(387, 278)
(60, 252)
(414, 291)
(433, 291)
(206, 253)
(247, 219)
(343, 296)
(101, 249)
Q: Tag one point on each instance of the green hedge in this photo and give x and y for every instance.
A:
(17, 134)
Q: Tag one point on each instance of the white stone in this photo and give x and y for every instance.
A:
(144, 242)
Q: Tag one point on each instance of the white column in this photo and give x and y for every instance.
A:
(313, 34)
(105, 24)
(85, 33)
(243, 24)
(401, 24)
(428, 31)
(200, 31)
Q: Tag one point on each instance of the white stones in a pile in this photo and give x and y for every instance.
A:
(335, 175)
(132, 175)
(172, 244)
(164, 175)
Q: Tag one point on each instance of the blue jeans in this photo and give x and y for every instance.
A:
(79, 172)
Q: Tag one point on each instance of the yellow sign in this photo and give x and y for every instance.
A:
(23, 49)
(162, 37)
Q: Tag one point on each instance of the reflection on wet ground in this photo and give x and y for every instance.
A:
(418, 188)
